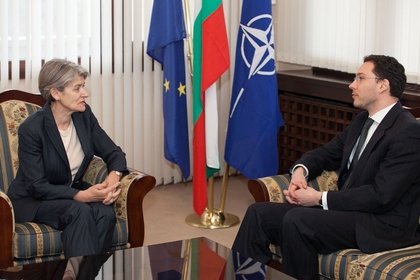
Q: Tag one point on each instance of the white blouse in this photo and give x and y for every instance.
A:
(73, 148)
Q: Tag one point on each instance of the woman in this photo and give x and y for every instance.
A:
(56, 145)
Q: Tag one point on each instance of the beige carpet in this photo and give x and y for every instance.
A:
(167, 207)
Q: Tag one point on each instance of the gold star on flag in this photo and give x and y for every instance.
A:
(166, 85)
(181, 89)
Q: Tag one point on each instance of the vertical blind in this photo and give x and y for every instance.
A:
(109, 39)
(338, 34)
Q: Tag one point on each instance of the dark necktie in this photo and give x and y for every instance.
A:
(362, 140)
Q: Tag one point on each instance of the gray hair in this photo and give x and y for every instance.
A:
(58, 73)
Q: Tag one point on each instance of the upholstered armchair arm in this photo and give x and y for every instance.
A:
(7, 221)
(271, 188)
(129, 205)
(135, 186)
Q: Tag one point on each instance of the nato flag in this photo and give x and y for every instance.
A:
(254, 118)
(166, 45)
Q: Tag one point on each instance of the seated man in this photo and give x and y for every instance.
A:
(377, 206)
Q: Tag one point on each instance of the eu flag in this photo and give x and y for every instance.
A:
(254, 118)
(166, 45)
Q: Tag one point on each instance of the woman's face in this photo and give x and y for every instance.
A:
(73, 96)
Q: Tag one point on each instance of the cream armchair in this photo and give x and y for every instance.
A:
(27, 243)
(344, 264)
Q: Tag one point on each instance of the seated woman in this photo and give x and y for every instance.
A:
(56, 145)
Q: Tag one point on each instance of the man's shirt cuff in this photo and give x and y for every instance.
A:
(324, 201)
(304, 167)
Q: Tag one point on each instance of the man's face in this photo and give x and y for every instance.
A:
(365, 88)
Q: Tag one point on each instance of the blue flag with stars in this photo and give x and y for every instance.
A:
(254, 117)
(166, 45)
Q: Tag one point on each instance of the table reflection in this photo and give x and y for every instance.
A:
(197, 258)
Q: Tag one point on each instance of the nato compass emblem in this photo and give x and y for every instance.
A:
(257, 49)
(258, 35)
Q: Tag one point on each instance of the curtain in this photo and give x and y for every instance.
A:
(107, 37)
(338, 34)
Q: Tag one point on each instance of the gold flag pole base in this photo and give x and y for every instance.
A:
(212, 220)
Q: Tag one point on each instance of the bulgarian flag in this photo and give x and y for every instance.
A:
(210, 61)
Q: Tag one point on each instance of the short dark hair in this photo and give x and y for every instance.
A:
(387, 67)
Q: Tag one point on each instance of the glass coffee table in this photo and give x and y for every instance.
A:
(197, 258)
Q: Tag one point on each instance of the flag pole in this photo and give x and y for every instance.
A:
(190, 48)
(211, 218)
(210, 198)
(224, 188)
(186, 265)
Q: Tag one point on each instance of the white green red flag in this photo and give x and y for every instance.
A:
(210, 61)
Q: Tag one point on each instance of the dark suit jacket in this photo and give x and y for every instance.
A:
(44, 170)
(384, 190)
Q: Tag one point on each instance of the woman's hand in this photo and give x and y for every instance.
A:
(102, 192)
(112, 180)
(113, 193)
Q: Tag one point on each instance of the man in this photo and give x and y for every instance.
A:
(377, 205)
